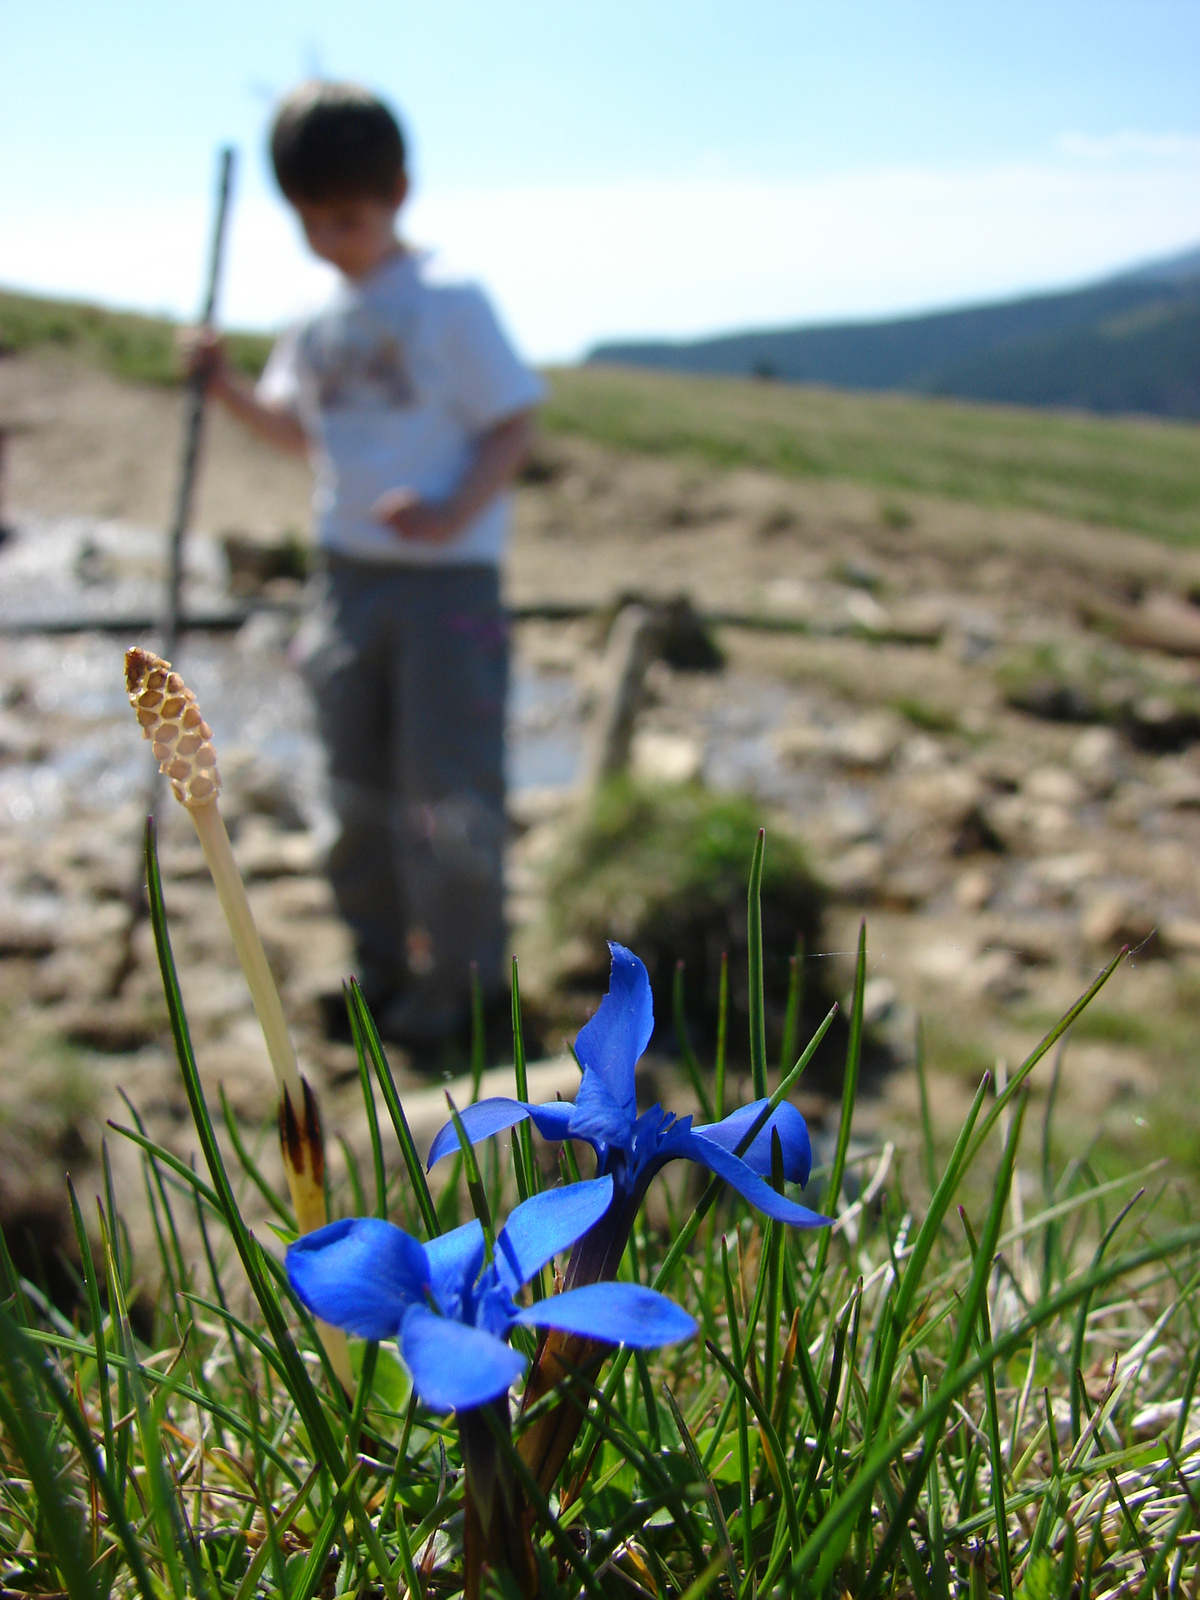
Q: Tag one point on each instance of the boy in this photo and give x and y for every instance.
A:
(417, 415)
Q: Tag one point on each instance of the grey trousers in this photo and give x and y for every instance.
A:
(409, 669)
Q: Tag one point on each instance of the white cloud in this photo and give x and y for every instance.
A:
(570, 265)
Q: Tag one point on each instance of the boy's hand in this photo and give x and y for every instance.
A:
(203, 353)
(410, 517)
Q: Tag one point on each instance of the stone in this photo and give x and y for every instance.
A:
(879, 999)
(666, 757)
(1114, 919)
(115, 1027)
(1096, 758)
(868, 743)
(21, 741)
(948, 795)
(910, 886)
(791, 598)
(1034, 942)
(921, 752)
(974, 888)
(1054, 786)
(944, 962)
(801, 742)
(857, 875)
(1181, 936)
(27, 933)
(1179, 783)
(264, 851)
(994, 975)
(1063, 874)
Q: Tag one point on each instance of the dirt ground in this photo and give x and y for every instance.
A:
(1000, 855)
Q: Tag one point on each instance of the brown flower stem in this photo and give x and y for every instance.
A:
(547, 1442)
(495, 1528)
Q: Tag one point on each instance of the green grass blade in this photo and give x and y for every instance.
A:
(754, 937)
(312, 1574)
(686, 1054)
(995, 1444)
(795, 1003)
(251, 1168)
(478, 1033)
(96, 1317)
(249, 1579)
(379, 1166)
(1035, 1055)
(363, 1027)
(770, 1436)
(849, 1096)
(722, 1037)
(474, 1182)
(568, 1551)
(1081, 1316)
(927, 1138)
(525, 1167)
(19, 1414)
(735, 1344)
(710, 1490)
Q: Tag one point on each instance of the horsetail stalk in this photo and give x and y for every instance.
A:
(169, 717)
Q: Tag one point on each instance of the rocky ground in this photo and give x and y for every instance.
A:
(966, 714)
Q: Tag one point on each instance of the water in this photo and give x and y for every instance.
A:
(86, 756)
(82, 753)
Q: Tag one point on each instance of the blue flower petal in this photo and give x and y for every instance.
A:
(618, 1313)
(486, 1117)
(545, 1224)
(749, 1185)
(454, 1262)
(793, 1137)
(611, 1043)
(598, 1119)
(455, 1367)
(362, 1274)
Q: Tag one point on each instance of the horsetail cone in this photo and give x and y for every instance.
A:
(169, 717)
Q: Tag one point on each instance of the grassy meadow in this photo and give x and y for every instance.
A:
(1130, 473)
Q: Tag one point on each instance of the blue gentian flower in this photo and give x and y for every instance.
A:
(630, 1148)
(451, 1314)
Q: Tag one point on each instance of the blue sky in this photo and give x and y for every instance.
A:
(619, 168)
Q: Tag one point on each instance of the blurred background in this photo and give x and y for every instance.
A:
(865, 506)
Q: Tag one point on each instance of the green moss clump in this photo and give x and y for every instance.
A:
(663, 869)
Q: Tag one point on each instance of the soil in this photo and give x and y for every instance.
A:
(1000, 857)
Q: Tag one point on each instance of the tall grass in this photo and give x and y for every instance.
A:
(980, 1381)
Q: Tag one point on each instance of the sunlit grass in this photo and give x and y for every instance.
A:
(1137, 474)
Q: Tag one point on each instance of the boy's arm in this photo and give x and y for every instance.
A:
(204, 354)
(498, 455)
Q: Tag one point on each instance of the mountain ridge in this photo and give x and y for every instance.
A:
(1130, 342)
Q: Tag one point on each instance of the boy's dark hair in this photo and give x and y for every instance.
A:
(336, 141)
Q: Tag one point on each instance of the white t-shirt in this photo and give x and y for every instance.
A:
(393, 381)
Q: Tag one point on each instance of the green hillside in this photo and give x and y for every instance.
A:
(1146, 360)
(125, 343)
(1138, 474)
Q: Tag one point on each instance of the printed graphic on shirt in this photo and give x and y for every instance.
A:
(357, 363)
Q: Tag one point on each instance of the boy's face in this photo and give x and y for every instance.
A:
(355, 234)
